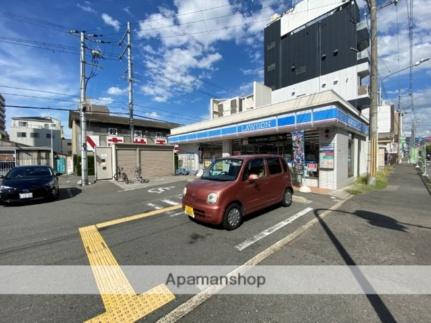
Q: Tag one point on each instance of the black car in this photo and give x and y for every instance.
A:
(25, 183)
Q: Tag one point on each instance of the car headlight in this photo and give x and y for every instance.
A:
(5, 188)
(185, 191)
(212, 198)
(50, 184)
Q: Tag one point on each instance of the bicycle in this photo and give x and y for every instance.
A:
(120, 174)
(138, 176)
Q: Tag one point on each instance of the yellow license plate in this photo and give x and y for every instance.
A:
(189, 211)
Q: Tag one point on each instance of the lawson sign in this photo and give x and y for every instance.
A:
(291, 120)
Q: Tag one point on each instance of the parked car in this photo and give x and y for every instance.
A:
(182, 171)
(231, 188)
(27, 183)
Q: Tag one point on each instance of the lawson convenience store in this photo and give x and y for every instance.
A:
(321, 136)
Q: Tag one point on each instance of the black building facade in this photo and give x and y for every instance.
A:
(325, 45)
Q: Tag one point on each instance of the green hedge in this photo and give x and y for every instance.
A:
(77, 165)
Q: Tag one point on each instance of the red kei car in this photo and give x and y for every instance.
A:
(234, 187)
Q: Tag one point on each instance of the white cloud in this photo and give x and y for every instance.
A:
(86, 7)
(189, 35)
(115, 90)
(107, 19)
(152, 114)
(104, 100)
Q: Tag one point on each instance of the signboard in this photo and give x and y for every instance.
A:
(140, 140)
(160, 141)
(326, 156)
(298, 151)
(92, 142)
(312, 167)
(114, 140)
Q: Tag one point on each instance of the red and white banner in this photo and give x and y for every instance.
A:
(92, 142)
(115, 140)
(140, 140)
(160, 141)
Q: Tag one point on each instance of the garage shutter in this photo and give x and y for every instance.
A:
(126, 159)
(157, 161)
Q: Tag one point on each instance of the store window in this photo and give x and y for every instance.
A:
(350, 159)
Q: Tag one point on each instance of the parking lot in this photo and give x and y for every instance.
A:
(158, 233)
(126, 232)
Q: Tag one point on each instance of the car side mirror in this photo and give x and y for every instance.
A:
(252, 178)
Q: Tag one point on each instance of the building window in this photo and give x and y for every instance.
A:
(138, 133)
(271, 67)
(301, 70)
(271, 45)
(113, 131)
(34, 135)
(22, 124)
(21, 134)
(48, 136)
(350, 159)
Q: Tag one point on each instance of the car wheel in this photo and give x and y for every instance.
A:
(287, 197)
(232, 217)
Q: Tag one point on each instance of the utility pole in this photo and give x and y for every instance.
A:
(374, 95)
(128, 34)
(82, 106)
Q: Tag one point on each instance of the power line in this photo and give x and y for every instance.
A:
(39, 97)
(35, 90)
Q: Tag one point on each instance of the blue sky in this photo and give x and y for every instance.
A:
(184, 53)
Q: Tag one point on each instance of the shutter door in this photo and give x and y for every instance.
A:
(126, 159)
(157, 162)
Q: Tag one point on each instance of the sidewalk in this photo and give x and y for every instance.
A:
(387, 227)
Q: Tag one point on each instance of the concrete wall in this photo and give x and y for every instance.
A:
(344, 82)
(262, 94)
(338, 177)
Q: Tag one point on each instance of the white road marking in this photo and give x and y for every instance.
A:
(247, 243)
(160, 190)
(154, 206)
(176, 214)
(170, 202)
(207, 293)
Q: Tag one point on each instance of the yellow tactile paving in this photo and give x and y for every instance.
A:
(106, 224)
(118, 296)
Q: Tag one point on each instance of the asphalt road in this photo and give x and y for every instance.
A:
(47, 234)
(381, 228)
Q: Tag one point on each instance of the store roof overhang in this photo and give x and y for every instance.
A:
(316, 110)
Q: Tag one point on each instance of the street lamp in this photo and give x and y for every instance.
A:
(419, 62)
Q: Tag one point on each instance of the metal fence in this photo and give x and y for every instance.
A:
(5, 166)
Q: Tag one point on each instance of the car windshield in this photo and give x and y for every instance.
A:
(26, 172)
(223, 170)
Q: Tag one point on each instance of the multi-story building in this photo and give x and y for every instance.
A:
(109, 139)
(37, 132)
(2, 118)
(316, 46)
(309, 107)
